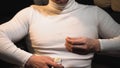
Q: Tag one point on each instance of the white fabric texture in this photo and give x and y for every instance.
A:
(47, 33)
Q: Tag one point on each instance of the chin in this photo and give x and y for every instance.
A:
(60, 1)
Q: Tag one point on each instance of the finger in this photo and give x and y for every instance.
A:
(68, 46)
(84, 48)
(49, 58)
(46, 66)
(51, 63)
(75, 41)
(54, 64)
(72, 38)
(80, 47)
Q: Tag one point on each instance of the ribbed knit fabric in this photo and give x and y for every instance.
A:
(47, 33)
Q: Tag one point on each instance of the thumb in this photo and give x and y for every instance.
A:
(75, 41)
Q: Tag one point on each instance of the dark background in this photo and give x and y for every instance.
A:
(8, 8)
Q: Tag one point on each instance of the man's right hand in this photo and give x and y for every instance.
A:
(41, 62)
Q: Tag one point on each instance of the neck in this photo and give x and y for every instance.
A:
(52, 8)
(56, 6)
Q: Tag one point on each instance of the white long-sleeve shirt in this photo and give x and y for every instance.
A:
(47, 33)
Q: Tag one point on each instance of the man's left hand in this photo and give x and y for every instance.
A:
(82, 45)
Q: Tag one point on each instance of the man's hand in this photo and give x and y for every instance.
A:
(41, 62)
(82, 45)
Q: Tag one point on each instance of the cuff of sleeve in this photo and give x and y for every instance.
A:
(109, 44)
(104, 44)
(26, 59)
(22, 57)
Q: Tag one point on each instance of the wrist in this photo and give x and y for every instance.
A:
(97, 45)
(28, 61)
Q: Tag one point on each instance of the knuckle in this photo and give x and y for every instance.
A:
(85, 47)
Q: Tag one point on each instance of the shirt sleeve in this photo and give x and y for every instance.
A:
(109, 30)
(12, 31)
